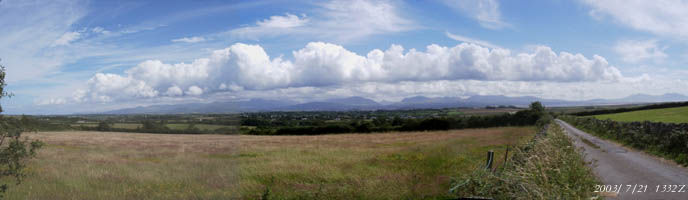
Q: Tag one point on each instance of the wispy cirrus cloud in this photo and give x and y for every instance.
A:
(340, 21)
(33, 51)
(486, 12)
(189, 39)
(67, 38)
(661, 17)
(470, 40)
(634, 51)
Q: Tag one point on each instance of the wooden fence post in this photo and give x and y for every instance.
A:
(490, 158)
(506, 154)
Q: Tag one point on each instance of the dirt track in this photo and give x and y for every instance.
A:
(617, 165)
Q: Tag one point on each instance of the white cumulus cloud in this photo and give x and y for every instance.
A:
(243, 67)
(194, 91)
(174, 91)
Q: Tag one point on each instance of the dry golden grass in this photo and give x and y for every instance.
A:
(108, 165)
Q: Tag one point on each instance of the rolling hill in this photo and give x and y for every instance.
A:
(669, 115)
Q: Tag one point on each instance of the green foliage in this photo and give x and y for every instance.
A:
(537, 108)
(663, 139)
(548, 167)
(14, 152)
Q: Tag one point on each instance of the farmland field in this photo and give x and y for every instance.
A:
(109, 165)
(668, 115)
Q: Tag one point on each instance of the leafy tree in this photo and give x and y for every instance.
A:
(14, 152)
(150, 125)
(103, 126)
(537, 108)
(192, 128)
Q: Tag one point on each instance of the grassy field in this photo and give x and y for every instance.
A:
(107, 165)
(669, 115)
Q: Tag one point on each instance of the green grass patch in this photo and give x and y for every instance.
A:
(668, 115)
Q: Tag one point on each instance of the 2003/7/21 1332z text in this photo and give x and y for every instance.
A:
(639, 188)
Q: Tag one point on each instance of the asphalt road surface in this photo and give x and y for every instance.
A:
(628, 173)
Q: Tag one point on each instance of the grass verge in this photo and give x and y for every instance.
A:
(549, 167)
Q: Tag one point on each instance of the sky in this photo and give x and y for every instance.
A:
(76, 56)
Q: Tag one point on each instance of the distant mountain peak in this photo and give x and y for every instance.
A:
(416, 99)
(353, 101)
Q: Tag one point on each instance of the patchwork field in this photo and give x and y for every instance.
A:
(669, 115)
(106, 165)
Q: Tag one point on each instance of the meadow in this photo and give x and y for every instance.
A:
(116, 165)
(667, 115)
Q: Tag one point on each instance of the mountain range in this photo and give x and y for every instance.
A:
(360, 103)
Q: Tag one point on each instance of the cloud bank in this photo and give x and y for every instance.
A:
(244, 67)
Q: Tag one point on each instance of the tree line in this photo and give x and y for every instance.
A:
(526, 117)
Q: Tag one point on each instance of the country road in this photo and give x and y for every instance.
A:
(632, 170)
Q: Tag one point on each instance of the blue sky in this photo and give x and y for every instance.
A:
(71, 56)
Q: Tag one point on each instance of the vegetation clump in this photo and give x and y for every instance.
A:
(14, 152)
(549, 167)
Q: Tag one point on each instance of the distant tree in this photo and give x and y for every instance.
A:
(542, 118)
(192, 128)
(397, 121)
(537, 108)
(14, 152)
(103, 126)
(153, 126)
